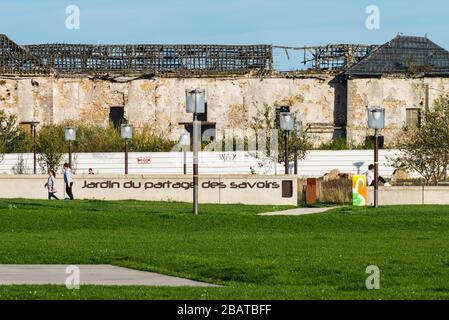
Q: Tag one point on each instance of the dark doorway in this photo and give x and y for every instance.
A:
(116, 116)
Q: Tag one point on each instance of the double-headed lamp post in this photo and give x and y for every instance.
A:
(126, 131)
(376, 121)
(185, 143)
(70, 135)
(195, 103)
(286, 121)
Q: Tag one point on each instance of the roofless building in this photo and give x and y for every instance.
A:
(145, 84)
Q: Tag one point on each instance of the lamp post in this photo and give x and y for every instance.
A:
(376, 121)
(286, 122)
(127, 134)
(33, 125)
(299, 133)
(195, 103)
(185, 143)
(70, 135)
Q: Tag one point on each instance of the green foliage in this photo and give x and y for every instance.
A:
(108, 139)
(51, 147)
(341, 143)
(338, 143)
(12, 139)
(368, 144)
(97, 139)
(146, 139)
(425, 149)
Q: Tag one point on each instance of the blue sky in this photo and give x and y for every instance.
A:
(282, 22)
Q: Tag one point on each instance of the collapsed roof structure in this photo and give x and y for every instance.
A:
(403, 54)
(145, 59)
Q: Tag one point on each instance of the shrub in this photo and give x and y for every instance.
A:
(51, 144)
(97, 139)
(146, 140)
(338, 143)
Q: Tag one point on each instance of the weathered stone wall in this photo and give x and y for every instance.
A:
(160, 102)
(395, 95)
(232, 102)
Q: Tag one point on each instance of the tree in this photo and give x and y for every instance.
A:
(441, 119)
(425, 149)
(12, 139)
(298, 141)
(51, 147)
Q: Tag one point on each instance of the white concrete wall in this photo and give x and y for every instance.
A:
(316, 164)
(410, 195)
(159, 163)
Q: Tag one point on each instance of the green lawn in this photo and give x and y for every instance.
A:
(320, 256)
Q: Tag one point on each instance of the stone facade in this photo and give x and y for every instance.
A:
(231, 102)
(320, 100)
(396, 95)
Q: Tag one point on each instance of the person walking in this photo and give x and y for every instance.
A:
(51, 185)
(68, 180)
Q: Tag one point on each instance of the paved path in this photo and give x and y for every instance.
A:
(297, 211)
(106, 275)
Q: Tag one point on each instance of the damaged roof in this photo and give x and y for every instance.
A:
(404, 55)
(137, 59)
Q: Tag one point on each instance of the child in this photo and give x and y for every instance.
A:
(50, 185)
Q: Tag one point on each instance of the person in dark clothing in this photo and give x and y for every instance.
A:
(68, 179)
(370, 181)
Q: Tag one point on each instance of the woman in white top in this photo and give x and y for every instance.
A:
(51, 185)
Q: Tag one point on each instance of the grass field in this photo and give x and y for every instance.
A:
(320, 256)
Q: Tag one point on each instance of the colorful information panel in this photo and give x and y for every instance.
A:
(359, 190)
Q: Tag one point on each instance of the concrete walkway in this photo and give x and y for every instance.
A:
(297, 211)
(105, 275)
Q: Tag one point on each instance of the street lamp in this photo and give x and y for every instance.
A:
(70, 135)
(376, 121)
(185, 143)
(33, 125)
(287, 120)
(195, 103)
(127, 134)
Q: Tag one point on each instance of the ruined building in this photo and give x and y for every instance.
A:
(145, 84)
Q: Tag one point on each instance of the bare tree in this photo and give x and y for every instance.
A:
(298, 142)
